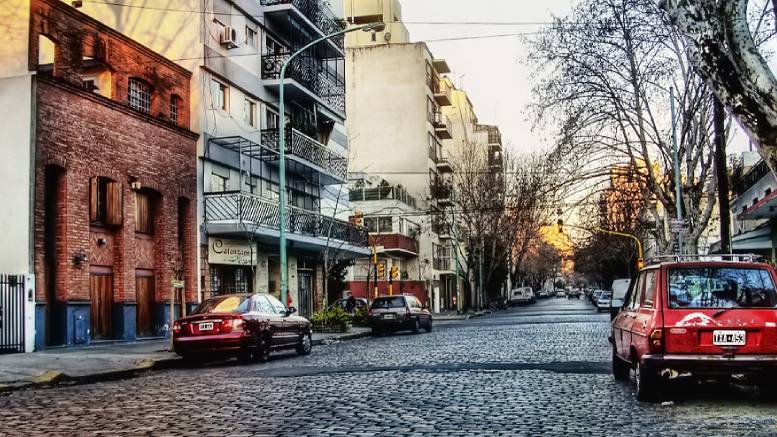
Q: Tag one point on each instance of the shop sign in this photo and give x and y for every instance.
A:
(232, 252)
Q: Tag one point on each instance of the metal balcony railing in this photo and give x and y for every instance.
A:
(254, 212)
(311, 74)
(441, 190)
(382, 193)
(304, 147)
(318, 13)
(397, 242)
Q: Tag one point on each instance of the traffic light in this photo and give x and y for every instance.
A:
(374, 256)
(394, 272)
(560, 224)
(382, 270)
(640, 264)
(358, 219)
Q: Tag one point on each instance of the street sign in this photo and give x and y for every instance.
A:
(679, 226)
(178, 283)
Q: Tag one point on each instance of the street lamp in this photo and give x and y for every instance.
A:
(372, 27)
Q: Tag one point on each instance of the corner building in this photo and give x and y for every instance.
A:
(114, 181)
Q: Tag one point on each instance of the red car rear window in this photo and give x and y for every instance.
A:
(721, 287)
(224, 304)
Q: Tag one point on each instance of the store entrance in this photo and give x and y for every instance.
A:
(231, 279)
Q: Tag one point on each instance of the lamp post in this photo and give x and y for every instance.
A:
(372, 27)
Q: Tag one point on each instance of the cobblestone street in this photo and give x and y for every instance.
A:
(542, 369)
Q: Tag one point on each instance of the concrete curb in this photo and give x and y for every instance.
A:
(354, 336)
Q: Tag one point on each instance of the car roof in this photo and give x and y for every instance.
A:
(697, 264)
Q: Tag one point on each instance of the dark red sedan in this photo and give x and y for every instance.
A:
(249, 326)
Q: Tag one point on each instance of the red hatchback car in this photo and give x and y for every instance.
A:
(248, 326)
(704, 318)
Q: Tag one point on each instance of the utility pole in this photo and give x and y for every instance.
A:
(721, 172)
(677, 178)
(455, 231)
(481, 294)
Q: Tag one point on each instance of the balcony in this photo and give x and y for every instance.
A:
(443, 193)
(494, 135)
(441, 228)
(382, 193)
(444, 165)
(239, 213)
(313, 12)
(442, 126)
(307, 79)
(444, 264)
(309, 152)
(397, 244)
(442, 94)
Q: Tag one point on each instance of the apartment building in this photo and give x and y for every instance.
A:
(111, 219)
(235, 50)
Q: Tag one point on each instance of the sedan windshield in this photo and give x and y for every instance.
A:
(391, 302)
(713, 287)
(224, 304)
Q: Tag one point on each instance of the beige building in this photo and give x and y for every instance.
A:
(406, 121)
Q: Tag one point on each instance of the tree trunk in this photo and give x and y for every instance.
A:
(721, 173)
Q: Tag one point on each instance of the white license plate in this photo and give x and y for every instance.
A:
(389, 316)
(206, 326)
(728, 338)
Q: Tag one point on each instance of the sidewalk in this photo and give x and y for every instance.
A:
(104, 362)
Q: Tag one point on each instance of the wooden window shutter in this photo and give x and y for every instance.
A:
(114, 202)
(94, 214)
(143, 214)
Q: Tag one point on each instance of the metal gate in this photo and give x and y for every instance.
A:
(11, 313)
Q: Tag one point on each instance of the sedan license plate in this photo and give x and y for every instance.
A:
(389, 316)
(728, 338)
(206, 326)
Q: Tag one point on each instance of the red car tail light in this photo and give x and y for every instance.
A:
(226, 326)
(176, 328)
(656, 343)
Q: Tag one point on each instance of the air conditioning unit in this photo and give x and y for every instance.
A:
(229, 38)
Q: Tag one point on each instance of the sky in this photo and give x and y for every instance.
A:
(490, 70)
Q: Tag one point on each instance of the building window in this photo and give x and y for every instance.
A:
(270, 119)
(271, 190)
(429, 76)
(105, 202)
(250, 37)
(139, 95)
(380, 225)
(431, 110)
(220, 95)
(433, 147)
(175, 103)
(273, 47)
(249, 112)
(218, 183)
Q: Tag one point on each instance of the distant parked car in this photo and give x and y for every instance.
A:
(343, 303)
(595, 296)
(603, 302)
(521, 296)
(543, 294)
(249, 326)
(698, 319)
(398, 313)
(561, 293)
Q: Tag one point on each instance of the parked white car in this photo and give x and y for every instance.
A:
(521, 296)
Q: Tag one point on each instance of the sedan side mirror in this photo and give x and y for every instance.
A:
(291, 311)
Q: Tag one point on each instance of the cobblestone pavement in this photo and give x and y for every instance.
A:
(542, 369)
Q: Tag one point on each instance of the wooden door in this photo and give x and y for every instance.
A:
(101, 292)
(144, 289)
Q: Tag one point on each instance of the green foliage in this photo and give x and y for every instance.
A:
(360, 318)
(333, 317)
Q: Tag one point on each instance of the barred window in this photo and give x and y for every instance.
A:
(139, 95)
(175, 101)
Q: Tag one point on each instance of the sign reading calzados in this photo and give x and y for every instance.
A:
(234, 252)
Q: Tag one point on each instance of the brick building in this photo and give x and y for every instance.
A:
(114, 220)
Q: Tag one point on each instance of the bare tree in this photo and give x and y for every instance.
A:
(607, 71)
(724, 46)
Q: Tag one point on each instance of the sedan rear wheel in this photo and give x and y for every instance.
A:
(416, 326)
(429, 326)
(262, 350)
(305, 344)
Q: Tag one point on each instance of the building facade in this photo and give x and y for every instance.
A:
(235, 50)
(114, 181)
